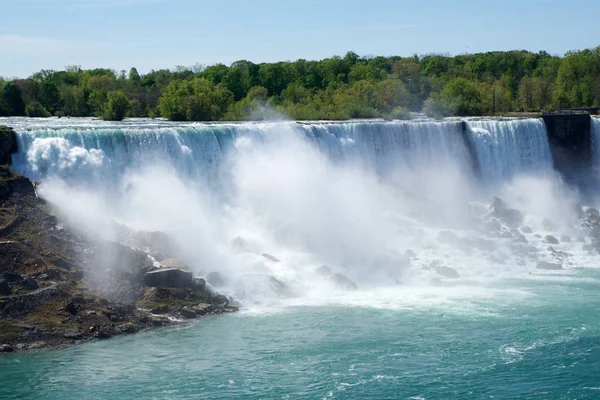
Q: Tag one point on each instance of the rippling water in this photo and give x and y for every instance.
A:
(535, 338)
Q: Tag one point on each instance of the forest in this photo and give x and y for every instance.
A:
(336, 88)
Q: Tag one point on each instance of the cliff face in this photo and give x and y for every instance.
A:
(569, 138)
(59, 288)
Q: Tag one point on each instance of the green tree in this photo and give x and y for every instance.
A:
(117, 107)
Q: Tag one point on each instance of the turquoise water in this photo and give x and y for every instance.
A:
(532, 338)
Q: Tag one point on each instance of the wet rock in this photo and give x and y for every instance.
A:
(446, 272)
(160, 310)
(551, 239)
(202, 309)
(12, 278)
(510, 216)
(592, 212)
(188, 313)
(565, 239)
(537, 236)
(128, 328)
(215, 279)
(270, 257)
(199, 283)
(526, 230)
(171, 277)
(548, 266)
(324, 270)
(343, 282)
(6, 348)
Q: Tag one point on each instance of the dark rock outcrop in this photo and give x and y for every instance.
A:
(168, 277)
(270, 257)
(215, 279)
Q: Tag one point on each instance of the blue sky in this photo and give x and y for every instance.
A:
(154, 34)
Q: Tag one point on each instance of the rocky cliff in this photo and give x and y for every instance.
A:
(59, 288)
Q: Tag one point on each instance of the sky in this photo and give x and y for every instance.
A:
(155, 34)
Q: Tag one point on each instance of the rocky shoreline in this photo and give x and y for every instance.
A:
(59, 288)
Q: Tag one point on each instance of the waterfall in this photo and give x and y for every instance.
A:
(96, 152)
(505, 148)
(595, 139)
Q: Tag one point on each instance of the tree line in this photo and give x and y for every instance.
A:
(492, 83)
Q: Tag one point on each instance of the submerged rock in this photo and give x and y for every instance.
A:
(215, 279)
(446, 272)
(324, 270)
(551, 239)
(545, 265)
(343, 282)
(170, 277)
(270, 257)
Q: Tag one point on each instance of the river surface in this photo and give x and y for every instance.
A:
(537, 338)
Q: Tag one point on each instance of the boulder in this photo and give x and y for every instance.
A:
(199, 283)
(168, 277)
(324, 270)
(343, 282)
(30, 284)
(215, 279)
(270, 257)
(592, 212)
(551, 239)
(188, 313)
(526, 230)
(510, 216)
(446, 272)
(521, 239)
(548, 266)
(6, 348)
(202, 309)
(240, 244)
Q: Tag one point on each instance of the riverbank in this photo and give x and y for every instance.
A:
(58, 288)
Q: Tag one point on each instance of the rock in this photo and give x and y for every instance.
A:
(12, 278)
(215, 279)
(5, 289)
(160, 310)
(537, 236)
(565, 239)
(202, 309)
(171, 277)
(270, 257)
(198, 283)
(188, 313)
(446, 272)
(6, 348)
(324, 270)
(510, 216)
(343, 282)
(521, 239)
(240, 244)
(545, 265)
(128, 328)
(526, 230)
(592, 212)
(551, 239)
(30, 284)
